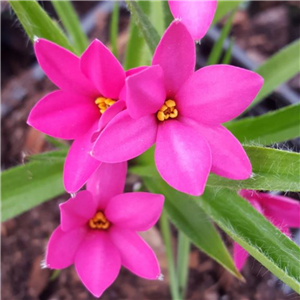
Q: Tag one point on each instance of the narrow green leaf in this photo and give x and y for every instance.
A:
(26, 186)
(51, 156)
(254, 233)
(149, 32)
(278, 69)
(274, 127)
(114, 28)
(168, 17)
(273, 170)
(36, 22)
(223, 8)
(137, 53)
(157, 16)
(186, 214)
(70, 20)
(167, 236)
(216, 51)
(227, 57)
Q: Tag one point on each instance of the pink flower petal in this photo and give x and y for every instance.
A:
(182, 157)
(145, 92)
(217, 94)
(281, 209)
(195, 15)
(64, 115)
(240, 256)
(176, 55)
(229, 158)
(125, 138)
(103, 69)
(63, 68)
(77, 211)
(110, 113)
(62, 247)
(136, 255)
(107, 182)
(79, 164)
(97, 262)
(136, 211)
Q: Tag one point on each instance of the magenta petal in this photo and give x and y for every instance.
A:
(240, 256)
(63, 115)
(62, 247)
(97, 262)
(103, 69)
(229, 158)
(63, 68)
(218, 93)
(77, 211)
(195, 15)
(136, 211)
(182, 157)
(281, 209)
(136, 255)
(80, 165)
(176, 55)
(125, 138)
(145, 92)
(107, 182)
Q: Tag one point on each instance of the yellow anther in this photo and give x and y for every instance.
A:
(104, 103)
(168, 110)
(99, 221)
(170, 103)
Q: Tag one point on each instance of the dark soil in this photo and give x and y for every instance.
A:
(261, 30)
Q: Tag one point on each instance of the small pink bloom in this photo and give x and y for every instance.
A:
(88, 88)
(195, 15)
(283, 212)
(98, 231)
(182, 111)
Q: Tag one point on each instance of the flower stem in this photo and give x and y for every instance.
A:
(114, 28)
(166, 233)
(183, 262)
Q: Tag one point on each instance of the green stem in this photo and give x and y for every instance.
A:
(114, 28)
(183, 255)
(70, 20)
(166, 233)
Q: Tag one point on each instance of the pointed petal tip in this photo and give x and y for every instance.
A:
(36, 39)
(160, 277)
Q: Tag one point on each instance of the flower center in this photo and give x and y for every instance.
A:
(99, 221)
(168, 110)
(104, 103)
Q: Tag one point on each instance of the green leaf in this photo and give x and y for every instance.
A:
(273, 170)
(114, 28)
(184, 211)
(136, 52)
(223, 8)
(278, 69)
(274, 127)
(254, 233)
(216, 51)
(149, 32)
(36, 22)
(51, 156)
(26, 186)
(70, 20)
(227, 57)
(157, 17)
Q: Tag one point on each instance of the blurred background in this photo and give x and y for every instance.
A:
(260, 29)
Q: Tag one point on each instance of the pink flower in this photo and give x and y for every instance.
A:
(87, 87)
(182, 111)
(283, 212)
(195, 15)
(98, 231)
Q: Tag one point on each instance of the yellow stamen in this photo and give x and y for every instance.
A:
(99, 221)
(168, 110)
(104, 103)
